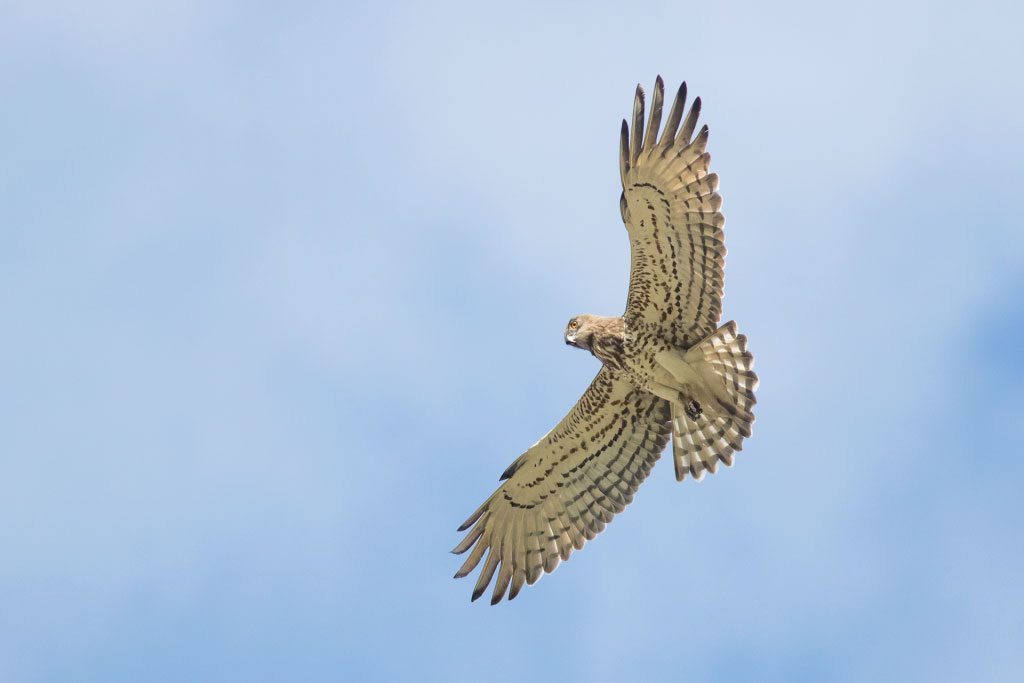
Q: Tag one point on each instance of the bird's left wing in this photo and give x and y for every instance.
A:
(671, 209)
(566, 487)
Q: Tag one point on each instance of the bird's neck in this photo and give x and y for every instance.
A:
(609, 337)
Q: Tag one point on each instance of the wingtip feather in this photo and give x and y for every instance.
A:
(473, 517)
(686, 132)
(636, 141)
(624, 152)
(654, 119)
(675, 115)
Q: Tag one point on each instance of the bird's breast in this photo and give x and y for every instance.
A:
(610, 351)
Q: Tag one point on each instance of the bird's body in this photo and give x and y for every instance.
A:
(647, 357)
(668, 369)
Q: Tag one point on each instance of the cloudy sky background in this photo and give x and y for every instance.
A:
(283, 288)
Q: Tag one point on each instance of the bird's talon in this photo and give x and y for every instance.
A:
(693, 410)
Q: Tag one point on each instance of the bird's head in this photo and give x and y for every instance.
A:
(578, 332)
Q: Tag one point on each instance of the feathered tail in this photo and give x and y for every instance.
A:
(698, 446)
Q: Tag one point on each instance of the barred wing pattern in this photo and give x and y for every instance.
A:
(671, 211)
(566, 487)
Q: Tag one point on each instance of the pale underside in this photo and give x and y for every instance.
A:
(566, 487)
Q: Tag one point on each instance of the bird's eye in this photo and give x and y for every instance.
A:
(573, 325)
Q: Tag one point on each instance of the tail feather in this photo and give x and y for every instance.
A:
(699, 445)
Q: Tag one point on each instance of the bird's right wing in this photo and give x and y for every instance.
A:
(566, 487)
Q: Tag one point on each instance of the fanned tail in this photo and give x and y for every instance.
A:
(699, 445)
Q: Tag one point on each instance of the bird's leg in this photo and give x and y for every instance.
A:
(664, 391)
(691, 406)
(669, 388)
(693, 410)
(696, 379)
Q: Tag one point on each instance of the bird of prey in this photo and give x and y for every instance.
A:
(668, 369)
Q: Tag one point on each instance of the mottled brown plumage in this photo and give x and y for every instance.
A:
(668, 369)
(602, 336)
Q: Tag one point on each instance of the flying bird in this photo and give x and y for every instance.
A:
(668, 369)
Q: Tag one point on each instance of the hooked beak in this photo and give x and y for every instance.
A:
(570, 339)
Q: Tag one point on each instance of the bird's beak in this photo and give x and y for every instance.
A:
(570, 339)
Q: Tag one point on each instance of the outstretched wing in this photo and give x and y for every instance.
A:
(671, 210)
(566, 487)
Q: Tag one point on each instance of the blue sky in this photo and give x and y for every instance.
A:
(283, 292)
